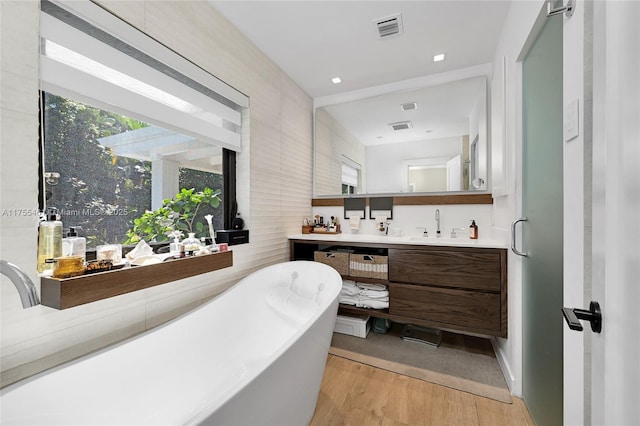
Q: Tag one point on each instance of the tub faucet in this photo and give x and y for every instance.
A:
(438, 234)
(24, 285)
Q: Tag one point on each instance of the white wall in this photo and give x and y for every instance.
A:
(274, 179)
(408, 218)
(386, 164)
(333, 142)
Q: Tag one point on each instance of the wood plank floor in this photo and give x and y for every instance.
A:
(358, 394)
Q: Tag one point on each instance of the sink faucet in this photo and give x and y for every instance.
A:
(438, 234)
(26, 288)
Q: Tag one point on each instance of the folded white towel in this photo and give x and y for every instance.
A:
(350, 290)
(354, 222)
(348, 300)
(374, 304)
(373, 294)
(368, 286)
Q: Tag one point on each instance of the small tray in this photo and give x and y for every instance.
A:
(424, 335)
(324, 231)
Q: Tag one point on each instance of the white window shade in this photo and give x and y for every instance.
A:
(349, 175)
(81, 61)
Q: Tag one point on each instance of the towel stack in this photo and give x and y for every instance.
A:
(364, 295)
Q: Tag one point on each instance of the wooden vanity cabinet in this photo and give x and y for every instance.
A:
(452, 288)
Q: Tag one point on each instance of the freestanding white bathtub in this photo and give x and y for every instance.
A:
(254, 355)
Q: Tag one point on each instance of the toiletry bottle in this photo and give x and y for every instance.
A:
(73, 245)
(49, 241)
(191, 244)
(473, 230)
(176, 247)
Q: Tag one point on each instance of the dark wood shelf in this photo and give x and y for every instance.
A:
(365, 280)
(69, 292)
(414, 200)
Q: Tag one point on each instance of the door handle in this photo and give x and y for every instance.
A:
(593, 315)
(513, 237)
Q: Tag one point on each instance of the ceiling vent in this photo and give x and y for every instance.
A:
(409, 106)
(389, 26)
(401, 125)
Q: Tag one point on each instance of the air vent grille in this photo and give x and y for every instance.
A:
(409, 106)
(389, 26)
(401, 125)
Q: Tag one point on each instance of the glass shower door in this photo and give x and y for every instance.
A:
(542, 232)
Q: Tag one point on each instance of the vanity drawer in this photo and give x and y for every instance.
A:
(478, 269)
(450, 308)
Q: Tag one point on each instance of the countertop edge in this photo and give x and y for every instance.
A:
(404, 240)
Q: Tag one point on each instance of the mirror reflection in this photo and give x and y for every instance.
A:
(431, 139)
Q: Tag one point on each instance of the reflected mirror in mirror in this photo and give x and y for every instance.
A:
(431, 139)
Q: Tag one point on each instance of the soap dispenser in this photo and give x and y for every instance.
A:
(73, 245)
(49, 241)
(473, 230)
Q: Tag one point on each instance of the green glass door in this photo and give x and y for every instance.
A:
(542, 232)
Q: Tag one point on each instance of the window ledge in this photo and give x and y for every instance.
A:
(70, 292)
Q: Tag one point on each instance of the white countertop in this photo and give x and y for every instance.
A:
(462, 241)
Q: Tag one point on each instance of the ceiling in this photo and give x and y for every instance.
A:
(441, 112)
(314, 41)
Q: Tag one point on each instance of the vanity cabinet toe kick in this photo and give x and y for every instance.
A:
(452, 288)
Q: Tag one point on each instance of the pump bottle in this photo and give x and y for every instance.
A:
(73, 245)
(49, 241)
(473, 230)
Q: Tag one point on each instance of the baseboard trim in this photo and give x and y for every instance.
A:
(506, 369)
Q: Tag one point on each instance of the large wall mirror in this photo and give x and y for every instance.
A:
(424, 140)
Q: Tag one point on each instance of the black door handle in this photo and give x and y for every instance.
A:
(593, 315)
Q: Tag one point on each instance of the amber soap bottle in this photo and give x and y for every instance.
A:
(473, 230)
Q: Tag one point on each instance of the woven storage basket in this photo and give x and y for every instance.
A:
(369, 266)
(337, 260)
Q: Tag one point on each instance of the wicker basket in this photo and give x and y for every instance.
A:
(369, 266)
(337, 260)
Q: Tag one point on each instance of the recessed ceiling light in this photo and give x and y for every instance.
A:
(336, 80)
(438, 58)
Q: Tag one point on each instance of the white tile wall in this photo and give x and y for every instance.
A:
(274, 179)
(408, 218)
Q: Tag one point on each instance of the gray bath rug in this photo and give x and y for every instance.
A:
(460, 362)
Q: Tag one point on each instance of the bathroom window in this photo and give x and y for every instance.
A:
(99, 170)
(350, 176)
(127, 123)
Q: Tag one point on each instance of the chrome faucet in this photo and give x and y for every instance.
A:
(438, 234)
(24, 285)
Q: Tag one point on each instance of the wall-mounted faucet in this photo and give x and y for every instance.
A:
(24, 285)
(438, 234)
